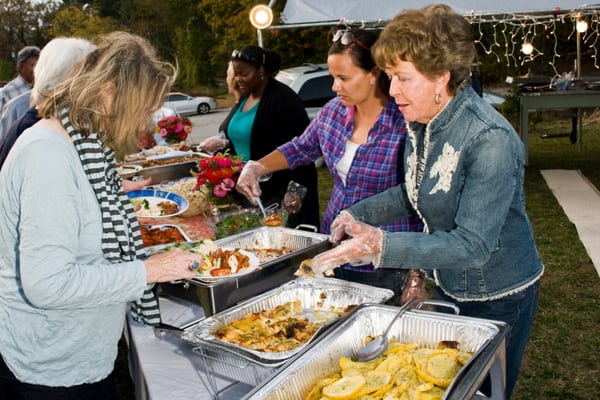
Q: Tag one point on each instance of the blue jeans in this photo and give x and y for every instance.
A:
(518, 311)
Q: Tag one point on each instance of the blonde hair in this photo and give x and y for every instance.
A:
(124, 70)
(434, 38)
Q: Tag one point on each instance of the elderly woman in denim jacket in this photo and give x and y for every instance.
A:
(464, 168)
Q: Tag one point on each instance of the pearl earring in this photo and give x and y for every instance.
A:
(438, 98)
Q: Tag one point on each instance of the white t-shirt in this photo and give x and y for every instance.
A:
(343, 166)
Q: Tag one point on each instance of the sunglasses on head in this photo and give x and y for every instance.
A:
(242, 55)
(347, 38)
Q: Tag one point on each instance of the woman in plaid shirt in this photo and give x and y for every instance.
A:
(360, 134)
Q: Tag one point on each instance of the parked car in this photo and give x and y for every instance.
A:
(313, 84)
(185, 104)
(162, 112)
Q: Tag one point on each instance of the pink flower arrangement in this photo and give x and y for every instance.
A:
(174, 129)
(216, 175)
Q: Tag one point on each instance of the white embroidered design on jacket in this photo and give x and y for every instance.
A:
(443, 168)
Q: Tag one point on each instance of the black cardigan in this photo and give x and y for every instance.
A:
(280, 117)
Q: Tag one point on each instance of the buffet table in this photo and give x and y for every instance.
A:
(575, 99)
(163, 366)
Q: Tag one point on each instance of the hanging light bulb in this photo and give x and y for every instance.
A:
(582, 25)
(527, 48)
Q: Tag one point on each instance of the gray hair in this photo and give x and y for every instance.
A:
(57, 58)
(26, 53)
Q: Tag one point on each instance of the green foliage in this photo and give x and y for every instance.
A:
(510, 107)
(7, 71)
(74, 21)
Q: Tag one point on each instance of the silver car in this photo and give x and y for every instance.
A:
(185, 104)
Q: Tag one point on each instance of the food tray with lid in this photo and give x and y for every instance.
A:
(214, 297)
(485, 338)
(318, 297)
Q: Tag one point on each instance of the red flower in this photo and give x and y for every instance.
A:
(174, 129)
(217, 175)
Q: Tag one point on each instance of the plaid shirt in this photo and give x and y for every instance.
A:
(13, 89)
(375, 166)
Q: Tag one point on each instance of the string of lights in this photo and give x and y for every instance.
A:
(518, 39)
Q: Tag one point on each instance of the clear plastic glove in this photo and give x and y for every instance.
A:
(338, 226)
(362, 248)
(248, 182)
(214, 143)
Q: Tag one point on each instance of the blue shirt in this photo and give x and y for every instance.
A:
(240, 129)
(464, 176)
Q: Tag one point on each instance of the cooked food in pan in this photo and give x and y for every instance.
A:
(305, 270)
(152, 236)
(280, 329)
(404, 371)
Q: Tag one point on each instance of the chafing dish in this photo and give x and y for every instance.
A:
(318, 296)
(486, 339)
(224, 293)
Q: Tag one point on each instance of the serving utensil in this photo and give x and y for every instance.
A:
(377, 346)
(262, 178)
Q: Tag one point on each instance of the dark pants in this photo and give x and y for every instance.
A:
(518, 311)
(12, 389)
(390, 278)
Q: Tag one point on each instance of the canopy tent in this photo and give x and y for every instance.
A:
(298, 13)
(522, 24)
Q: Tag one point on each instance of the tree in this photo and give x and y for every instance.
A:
(22, 23)
(76, 21)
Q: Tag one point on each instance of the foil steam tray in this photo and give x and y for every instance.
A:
(317, 296)
(292, 242)
(484, 338)
(280, 238)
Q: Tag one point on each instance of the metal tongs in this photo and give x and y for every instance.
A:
(260, 205)
(262, 178)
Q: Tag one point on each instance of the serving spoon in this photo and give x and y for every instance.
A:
(377, 346)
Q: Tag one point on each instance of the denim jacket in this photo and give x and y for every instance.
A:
(464, 177)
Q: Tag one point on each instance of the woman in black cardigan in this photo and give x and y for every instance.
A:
(268, 114)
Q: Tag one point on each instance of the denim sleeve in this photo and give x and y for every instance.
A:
(383, 207)
(489, 183)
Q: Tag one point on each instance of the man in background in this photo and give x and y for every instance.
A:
(26, 60)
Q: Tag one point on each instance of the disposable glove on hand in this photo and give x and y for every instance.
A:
(247, 183)
(214, 143)
(364, 247)
(338, 226)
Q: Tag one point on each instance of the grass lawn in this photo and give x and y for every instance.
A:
(562, 360)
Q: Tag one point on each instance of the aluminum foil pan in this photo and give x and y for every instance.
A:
(317, 296)
(295, 379)
(286, 239)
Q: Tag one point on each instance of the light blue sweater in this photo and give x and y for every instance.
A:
(62, 306)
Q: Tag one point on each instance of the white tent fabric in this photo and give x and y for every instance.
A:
(330, 12)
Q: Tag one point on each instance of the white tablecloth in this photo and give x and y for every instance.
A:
(164, 367)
